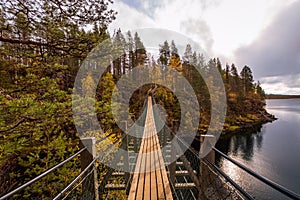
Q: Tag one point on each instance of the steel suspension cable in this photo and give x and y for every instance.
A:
(41, 175)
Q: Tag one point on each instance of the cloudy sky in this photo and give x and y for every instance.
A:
(263, 34)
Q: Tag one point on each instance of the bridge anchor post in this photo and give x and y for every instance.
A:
(90, 184)
(205, 176)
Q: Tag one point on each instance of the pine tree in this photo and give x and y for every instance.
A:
(164, 54)
(88, 86)
(173, 49)
(188, 54)
(201, 61)
(247, 80)
(261, 93)
(187, 61)
(45, 19)
(130, 46)
(140, 50)
(219, 66)
(104, 105)
(227, 78)
(235, 79)
(211, 66)
(120, 64)
(138, 44)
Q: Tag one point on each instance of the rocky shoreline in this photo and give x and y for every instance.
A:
(243, 124)
(250, 123)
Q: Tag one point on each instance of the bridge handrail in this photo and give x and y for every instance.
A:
(270, 183)
(90, 164)
(41, 175)
(232, 182)
(76, 179)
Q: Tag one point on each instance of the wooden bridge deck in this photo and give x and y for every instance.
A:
(150, 180)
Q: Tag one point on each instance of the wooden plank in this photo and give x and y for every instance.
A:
(158, 165)
(153, 171)
(141, 181)
(160, 184)
(118, 173)
(167, 188)
(135, 180)
(185, 185)
(150, 179)
(115, 186)
(147, 187)
(147, 154)
(140, 187)
(165, 180)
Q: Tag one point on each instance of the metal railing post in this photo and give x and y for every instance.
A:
(89, 185)
(204, 172)
(126, 157)
(175, 125)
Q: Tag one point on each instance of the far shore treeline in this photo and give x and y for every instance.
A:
(42, 44)
(282, 96)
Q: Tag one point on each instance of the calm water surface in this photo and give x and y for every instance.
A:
(273, 152)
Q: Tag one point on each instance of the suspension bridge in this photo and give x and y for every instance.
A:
(155, 169)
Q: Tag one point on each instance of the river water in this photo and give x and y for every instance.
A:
(273, 152)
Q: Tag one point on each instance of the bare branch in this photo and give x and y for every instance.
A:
(24, 119)
(14, 126)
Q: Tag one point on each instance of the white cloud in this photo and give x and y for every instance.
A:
(129, 18)
(276, 51)
(201, 30)
(221, 27)
(238, 22)
(230, 23)
(288, 84)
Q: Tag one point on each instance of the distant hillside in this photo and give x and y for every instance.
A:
(281, 96)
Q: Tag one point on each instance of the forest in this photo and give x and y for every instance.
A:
(42, 45)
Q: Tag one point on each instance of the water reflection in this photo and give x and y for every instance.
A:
(259, 138)
(271, 150)
(242, 143)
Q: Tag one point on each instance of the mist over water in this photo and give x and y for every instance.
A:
(273, 152)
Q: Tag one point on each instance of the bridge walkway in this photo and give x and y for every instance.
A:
(150, 180)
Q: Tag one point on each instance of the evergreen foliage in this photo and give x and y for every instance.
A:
(42, 46)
